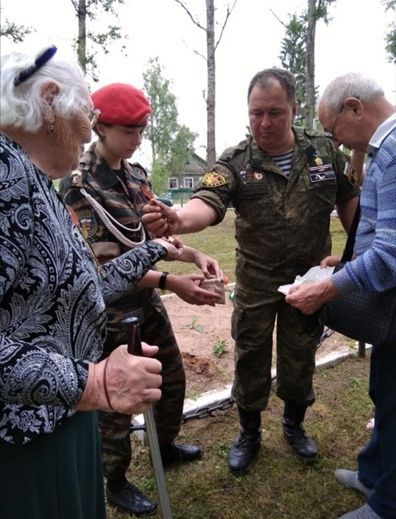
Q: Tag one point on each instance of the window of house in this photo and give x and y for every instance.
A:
(173, 183)
(188, 182)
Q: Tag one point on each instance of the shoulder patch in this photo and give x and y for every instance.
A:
(213, 179)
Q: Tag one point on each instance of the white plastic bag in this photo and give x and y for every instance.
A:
(313, 274)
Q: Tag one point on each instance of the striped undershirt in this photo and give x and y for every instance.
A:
(284, 161)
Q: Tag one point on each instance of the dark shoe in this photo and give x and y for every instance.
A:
(179, 453)
(303, 445)
(243, 451)
(130, 500)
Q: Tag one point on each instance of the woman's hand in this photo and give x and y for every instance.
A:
(208, 265)
(187, 287)
(123, 382)
(174, 248)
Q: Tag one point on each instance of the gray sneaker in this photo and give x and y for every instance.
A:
(364, 512)
(350, 479)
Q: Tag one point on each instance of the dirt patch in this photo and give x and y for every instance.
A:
(204, 337)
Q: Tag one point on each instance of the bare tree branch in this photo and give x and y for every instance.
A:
(228, 14)
(279, 20)
(75, 5)
(194, 51)
(195, 22)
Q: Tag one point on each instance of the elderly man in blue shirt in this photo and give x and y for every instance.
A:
(354, 110)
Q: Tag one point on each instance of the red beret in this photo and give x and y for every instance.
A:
(121, 104)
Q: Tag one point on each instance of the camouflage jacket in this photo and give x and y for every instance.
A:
(122, 195)
(282, 223)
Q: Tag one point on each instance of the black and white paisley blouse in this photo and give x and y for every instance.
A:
(52, 300)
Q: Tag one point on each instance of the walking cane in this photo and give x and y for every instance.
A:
(135, 348)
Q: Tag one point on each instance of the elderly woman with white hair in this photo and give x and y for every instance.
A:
(52, 304)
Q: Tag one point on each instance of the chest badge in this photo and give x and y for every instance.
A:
(318, 161)
(148, 194)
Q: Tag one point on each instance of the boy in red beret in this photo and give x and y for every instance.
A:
(120, 190)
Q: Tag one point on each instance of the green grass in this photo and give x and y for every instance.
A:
(279, 486)
(219, 242)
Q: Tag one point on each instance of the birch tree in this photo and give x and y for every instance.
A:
(210, 58)
(89, 41)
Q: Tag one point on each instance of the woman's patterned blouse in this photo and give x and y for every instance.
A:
(52, 300)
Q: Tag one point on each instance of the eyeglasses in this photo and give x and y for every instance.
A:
(93, 116)
(332, 132)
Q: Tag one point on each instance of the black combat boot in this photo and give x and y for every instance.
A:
(126, 497)
(244, 450)
(303, 445)
(176, 453)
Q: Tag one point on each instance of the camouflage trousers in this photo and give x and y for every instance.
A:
(155, 329)
(253, 323)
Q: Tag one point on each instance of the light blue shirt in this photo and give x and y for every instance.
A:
(374, 268)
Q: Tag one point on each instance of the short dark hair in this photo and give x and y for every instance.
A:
(285, 78)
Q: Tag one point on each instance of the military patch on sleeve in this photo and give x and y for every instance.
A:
(213, 179)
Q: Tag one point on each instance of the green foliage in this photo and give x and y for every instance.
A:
(194, 325)
(88, 42)
(181, 149)
(12, 31)
(293, 53)
(171, 144)
(390, 38)
(164, 126)
(293, 57)
(158, 176)
(219, 347)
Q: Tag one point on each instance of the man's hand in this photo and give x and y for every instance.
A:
(330, 261)
(160, 219)
(309, 297)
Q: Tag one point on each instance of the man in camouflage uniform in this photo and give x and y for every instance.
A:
(284, 182)
(120, 190)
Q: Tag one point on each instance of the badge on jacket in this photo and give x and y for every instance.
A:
(213, 179)
(88, 224)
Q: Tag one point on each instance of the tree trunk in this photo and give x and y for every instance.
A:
(211, 95)
(82, 34)
(310, 64)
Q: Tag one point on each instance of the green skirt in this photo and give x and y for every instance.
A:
(56, 476)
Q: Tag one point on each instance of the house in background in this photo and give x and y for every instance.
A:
(194, 169)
